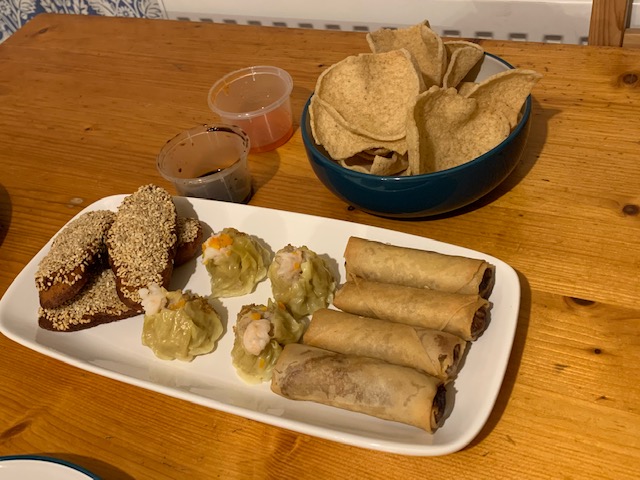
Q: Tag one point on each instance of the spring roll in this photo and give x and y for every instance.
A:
(360, 384)
(433, 352)
(386, 263)
(463, 315)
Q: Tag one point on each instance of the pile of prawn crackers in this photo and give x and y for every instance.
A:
(407, 107)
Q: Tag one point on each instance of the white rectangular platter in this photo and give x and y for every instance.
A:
(115, 350)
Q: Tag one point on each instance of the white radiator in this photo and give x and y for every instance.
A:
(559, 21)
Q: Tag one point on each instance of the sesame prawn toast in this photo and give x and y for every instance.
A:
(142, 243)
(95, 304)
(190, 234)
(73, 256)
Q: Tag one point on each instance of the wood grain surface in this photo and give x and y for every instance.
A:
(87, 102)
(609, 20)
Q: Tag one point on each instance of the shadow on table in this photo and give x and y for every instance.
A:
(5, 213)
(514, 362)
(101, 469)
(264, 166)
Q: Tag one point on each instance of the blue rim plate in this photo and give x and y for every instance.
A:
(32, 467)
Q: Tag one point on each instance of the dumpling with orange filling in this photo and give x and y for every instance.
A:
(178, 325)
(302, 280)
(261, 331)
(236, 262)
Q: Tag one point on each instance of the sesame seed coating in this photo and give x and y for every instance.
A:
(189, 240)
(75, 247)
(188, 230)
(98, 301)
(142, 240)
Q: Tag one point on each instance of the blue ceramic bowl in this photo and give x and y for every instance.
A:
(428, 194)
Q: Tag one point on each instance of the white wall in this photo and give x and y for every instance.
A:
(635, 14)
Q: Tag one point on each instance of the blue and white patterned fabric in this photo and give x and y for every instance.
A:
(15, 13)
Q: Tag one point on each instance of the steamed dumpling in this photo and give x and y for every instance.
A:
(178, 325)
(301, 280)
(236, 262)
(260, 334)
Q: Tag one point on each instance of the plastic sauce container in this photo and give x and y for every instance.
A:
(208, 161)
(256, 99)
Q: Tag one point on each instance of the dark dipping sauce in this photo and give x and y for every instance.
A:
(211, 172)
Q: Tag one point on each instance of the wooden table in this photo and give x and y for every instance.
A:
(85, 105)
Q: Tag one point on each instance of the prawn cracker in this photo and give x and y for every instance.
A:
(506, 92)
(425, 45)
(462, 57)
(370, 93)
(341, 143)
(376, 164)
(446, 129)
(466, 88)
